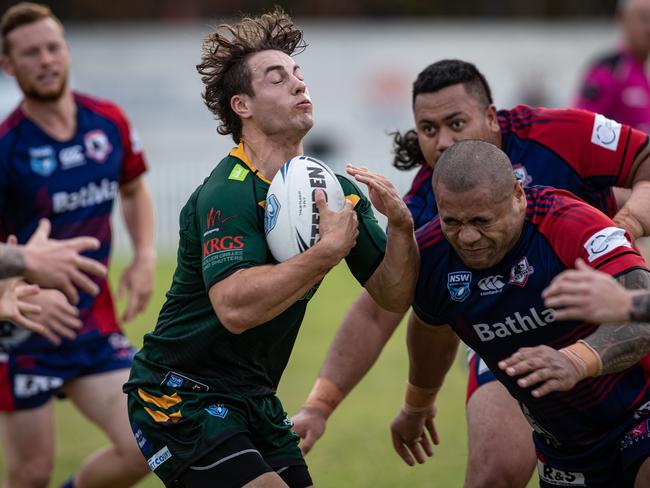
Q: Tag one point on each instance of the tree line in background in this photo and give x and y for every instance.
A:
(179, 10)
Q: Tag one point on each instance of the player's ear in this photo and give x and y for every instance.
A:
(520, 195)
(492, 119)
(5, 64)
(241, 106)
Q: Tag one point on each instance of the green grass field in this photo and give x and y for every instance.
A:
(356, 450)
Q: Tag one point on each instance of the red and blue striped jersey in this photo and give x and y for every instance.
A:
(572, 149)
(498, 310)
(73, 183)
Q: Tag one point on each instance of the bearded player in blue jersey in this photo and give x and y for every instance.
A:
(580, 385)
(66, 157)
(571, 149)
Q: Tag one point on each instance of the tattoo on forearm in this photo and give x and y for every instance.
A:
(12, 261)
(622, 345)
(640, 308)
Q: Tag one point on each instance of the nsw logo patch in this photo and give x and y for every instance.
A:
(458, 285)
(42, 160)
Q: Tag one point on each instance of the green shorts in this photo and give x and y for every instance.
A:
(174, 428)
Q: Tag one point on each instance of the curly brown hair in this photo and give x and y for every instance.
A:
(224, 69)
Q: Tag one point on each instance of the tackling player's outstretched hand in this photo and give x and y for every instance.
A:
(338, 230)
(543, 367)
(586, 294)
(412, 435)
(383, 196)
(309, 423)
(59, 264)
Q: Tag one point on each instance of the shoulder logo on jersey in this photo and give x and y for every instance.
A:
(606, 132)
(521, 173)
(214, 221)
(605, 241)
(271, 215)
(219, 411)
(42, 160)
(98, 147)
(491, 285)
(72, 156)
(458, 285)
(238, 173)
(558, 477)
(520, 272)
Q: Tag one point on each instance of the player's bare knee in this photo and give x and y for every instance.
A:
(499, 472)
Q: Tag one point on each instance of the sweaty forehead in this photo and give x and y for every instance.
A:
(260, 62)
(478, 202)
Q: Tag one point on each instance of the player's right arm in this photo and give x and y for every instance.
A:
(252, 296)
(365, 330)
(431, 349)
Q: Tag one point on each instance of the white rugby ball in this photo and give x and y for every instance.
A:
(291, 217)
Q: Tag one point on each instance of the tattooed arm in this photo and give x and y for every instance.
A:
(611, 348)
(640, 306)
(621, 345)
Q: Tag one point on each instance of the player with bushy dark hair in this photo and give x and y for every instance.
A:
(202, 392)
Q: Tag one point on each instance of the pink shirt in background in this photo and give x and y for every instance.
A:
(617, 87)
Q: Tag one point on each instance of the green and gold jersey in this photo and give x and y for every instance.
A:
(222, 231)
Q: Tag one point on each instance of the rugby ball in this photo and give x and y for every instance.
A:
(290, 215)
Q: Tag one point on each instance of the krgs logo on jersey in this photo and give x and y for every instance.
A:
(557, 477)
(42, 160)
(458, 285)
(604, 241)
(520, 272)
(491, 285)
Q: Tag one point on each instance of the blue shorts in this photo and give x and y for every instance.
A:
(611, 462)
(479, 373)
(30, 379)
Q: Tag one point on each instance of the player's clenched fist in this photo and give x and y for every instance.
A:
(543, 367)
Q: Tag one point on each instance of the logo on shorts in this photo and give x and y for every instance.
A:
(174, 381)
(458, 285)
(217, 411)
(143, 443)
(557, 477)
(520, 272)
(160, 457)
(28, 385)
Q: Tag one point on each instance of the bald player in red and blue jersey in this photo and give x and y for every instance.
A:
(571, 149)
(66, 157)
(484, 264)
